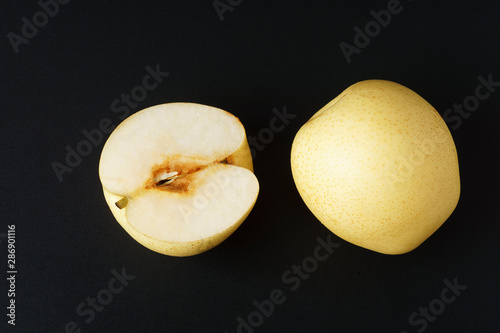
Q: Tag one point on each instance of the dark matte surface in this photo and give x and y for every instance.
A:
(263, 55)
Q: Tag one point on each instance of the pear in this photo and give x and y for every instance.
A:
(378, 167)
(178, 177)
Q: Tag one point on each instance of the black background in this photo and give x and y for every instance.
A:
(263, 55)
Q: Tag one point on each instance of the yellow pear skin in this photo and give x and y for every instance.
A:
(378, 167)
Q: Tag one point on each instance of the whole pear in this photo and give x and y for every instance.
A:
(378, 167)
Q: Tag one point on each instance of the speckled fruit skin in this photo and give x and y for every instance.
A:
(378, 167)
(176, 249)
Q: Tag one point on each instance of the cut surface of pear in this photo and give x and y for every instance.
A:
(378, 167)
(179, 177)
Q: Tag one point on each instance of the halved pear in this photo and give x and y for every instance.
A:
(178, 177)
